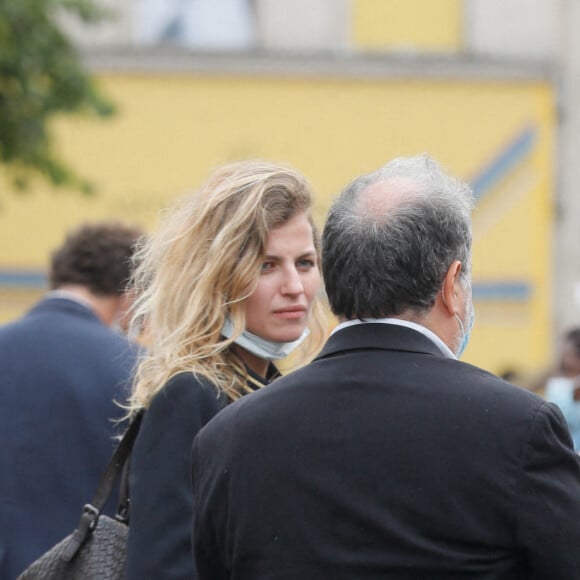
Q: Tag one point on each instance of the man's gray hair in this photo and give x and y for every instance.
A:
(391, 236)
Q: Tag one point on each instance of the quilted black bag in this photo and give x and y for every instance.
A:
(97, 549)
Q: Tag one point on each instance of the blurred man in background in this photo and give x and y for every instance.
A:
(387, 457)
(63, 367)
(563, 386)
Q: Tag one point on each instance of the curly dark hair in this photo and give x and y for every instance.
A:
(97, 256)
(573, 337)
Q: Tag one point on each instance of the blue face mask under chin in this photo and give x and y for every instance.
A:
(465, 334)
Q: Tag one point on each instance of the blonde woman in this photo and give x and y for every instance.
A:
(227, 285)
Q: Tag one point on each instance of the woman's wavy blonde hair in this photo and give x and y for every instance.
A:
(202, 264)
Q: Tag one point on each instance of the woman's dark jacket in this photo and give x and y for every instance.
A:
(159, 544)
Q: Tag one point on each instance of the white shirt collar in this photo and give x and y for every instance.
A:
(398, 322)
(69, 296)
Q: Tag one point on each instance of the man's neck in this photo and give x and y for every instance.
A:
(105, 307)
(421, 323)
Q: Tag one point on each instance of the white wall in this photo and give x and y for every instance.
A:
(513, 28)
(303, 25)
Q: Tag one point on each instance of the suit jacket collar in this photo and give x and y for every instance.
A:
(378, 336)
(64, 305)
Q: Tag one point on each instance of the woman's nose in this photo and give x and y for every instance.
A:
(292, 282)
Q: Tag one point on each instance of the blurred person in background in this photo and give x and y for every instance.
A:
(563, 386)
(64, 366)
(227, 286)
(387, 457)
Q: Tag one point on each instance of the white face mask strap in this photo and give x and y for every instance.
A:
(462, 328)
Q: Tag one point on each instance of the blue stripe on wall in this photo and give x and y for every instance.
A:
(504, 162)
(492, 291)
(502, 291)
(23, 279)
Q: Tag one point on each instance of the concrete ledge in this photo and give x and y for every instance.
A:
(172, 60)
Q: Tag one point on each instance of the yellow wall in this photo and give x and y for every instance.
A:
(434, 25)
(172, 130)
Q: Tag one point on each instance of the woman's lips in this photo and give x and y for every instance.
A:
(290, 313)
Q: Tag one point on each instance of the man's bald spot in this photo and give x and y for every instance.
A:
(380, 197)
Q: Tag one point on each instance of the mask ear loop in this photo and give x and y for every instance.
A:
(462, 328)
(464, 334)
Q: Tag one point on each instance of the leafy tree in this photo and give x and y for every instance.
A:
(41, 77)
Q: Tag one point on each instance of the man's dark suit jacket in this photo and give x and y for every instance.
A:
(60, 369)
(385, 459)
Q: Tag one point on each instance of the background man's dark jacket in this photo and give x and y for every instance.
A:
(60, 370)
(384, 459)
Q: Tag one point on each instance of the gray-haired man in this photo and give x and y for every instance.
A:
(387, 457)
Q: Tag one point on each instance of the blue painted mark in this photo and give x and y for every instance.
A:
(504, 162)
(23, 279)
(502, 291)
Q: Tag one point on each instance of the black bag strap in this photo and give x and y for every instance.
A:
(122, 513)
(116, 463)
(91, 511)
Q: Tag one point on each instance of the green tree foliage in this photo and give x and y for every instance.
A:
(41, 77)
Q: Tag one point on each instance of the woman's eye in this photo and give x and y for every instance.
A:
(266, 266)
(306, 264)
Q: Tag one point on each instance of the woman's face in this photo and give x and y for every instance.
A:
(279, 307)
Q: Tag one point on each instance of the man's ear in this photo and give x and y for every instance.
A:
(122, 314)
(449, 293)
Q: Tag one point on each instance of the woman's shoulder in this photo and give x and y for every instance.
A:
(189, 380)
(184, 392)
